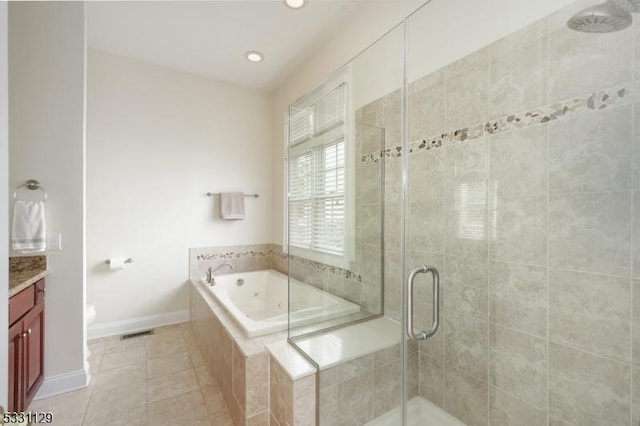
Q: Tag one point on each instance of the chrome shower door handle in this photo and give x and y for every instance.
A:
(409, 322)
(435, 321)
(424, 334)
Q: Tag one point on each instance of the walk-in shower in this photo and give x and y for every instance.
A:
(499, 153)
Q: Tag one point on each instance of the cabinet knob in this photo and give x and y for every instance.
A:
(43, 290)
(29, 332)
(23, 335)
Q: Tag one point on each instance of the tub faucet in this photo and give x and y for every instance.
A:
(210, 279)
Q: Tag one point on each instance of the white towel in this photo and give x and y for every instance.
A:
(29, 232)
(232, 205)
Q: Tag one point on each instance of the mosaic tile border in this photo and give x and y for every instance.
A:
(595, 101)
(234, 254)
(275, 250)
(322, 267)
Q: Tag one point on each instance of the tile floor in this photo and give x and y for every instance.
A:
(153, 380)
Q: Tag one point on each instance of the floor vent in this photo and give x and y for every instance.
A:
(138, 334)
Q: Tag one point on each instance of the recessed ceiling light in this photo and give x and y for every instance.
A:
(295, 4)
(254, 56)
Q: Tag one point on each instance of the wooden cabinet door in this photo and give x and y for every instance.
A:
(15, 367)
(33, 326)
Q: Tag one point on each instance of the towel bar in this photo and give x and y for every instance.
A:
(211, 194)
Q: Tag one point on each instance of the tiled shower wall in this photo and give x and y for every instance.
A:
(524, 191)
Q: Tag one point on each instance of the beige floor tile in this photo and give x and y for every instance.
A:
(127, 375)
(171, 385)
(196, 358)
(185, 327)
(169, 364)
(94, 363)
(133, 417)
(103, 404)
(120, 359)
(66, 418)
(161, 346)
(118, 345)
(169, 331)
(187, 408)
(208, 422)
(143, 381)
(204, 376)
(97, 347)
(224, 420)
(75, 401)
(187, 333)
(68, 409)
(214, 401)
(190, 341)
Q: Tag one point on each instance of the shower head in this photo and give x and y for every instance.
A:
(603, 18)
(629, 5)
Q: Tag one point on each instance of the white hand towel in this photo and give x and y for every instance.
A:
(29, 232)
(232, 205)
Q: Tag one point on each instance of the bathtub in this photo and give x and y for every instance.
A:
(259, 304)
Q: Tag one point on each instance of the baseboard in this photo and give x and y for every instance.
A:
(115, 328)
(62, 383)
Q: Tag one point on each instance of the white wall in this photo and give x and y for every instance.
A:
(158, 140)
(4, 195)
(46, 134)
(438, 34)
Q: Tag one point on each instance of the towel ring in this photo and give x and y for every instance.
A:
(32, 185)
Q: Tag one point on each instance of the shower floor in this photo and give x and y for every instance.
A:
(420, 412)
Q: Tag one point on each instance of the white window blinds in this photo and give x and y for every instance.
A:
(317, 216)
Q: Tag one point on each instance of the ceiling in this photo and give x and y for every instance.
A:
(210, 38)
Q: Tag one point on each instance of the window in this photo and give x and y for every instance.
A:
(318, 178)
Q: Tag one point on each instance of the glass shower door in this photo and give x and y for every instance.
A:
(490, 252)
(520, 151)
(345, 236)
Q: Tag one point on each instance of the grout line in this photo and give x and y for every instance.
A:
(516, 397)
(631, 256)
(487, 182)
(591, 354)
(146, 406)
(487, 261)
(548, 195)
(518, 331)
(443, 357)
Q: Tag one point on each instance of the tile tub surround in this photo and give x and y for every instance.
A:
(548, 270)
(357, 285)
(292, 402)
(256, 388)
(239, 366)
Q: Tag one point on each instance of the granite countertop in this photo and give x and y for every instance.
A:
(24, 271)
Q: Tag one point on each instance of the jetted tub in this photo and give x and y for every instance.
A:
(258, 302)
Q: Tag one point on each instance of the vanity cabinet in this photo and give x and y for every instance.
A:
(26, 345)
